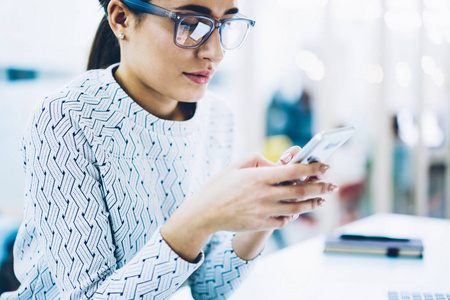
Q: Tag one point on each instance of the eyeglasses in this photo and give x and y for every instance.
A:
(192, 30)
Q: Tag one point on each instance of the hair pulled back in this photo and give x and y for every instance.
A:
(105, 49)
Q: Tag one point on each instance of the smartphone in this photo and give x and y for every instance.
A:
(322, 145)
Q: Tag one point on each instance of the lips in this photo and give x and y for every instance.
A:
(200, 77)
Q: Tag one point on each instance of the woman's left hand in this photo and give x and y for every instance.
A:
(248, 245)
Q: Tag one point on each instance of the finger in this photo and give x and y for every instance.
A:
(277, 174)
(286, 209)
(288, 155)
(301, 191)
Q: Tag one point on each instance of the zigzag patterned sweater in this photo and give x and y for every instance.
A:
(102, 176)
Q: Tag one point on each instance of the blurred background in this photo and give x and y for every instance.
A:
(382, 66)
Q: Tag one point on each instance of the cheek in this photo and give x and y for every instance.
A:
(161, 67)
(156, 57)
(151, 44)
(160, 63)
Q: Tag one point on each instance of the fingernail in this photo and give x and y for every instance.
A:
(324, 168)
(321, 202)
(333, 188)
(286, 157)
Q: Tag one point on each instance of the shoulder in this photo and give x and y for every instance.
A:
(73, 106)
(77, 99)
(85, 88)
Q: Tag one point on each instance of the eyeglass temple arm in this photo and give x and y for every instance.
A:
(149, 8)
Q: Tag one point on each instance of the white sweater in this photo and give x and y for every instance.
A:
(102, 176)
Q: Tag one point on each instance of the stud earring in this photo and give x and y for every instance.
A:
(121, 36)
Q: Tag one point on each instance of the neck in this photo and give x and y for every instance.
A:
(150, 100)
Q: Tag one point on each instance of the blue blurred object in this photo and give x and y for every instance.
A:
(14, 74)
(290, 117)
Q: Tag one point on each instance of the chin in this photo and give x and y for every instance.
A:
(192, 96)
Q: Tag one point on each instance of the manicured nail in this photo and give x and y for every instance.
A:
(324, 168)
(321, 202)
(333, 188)
(286, 157)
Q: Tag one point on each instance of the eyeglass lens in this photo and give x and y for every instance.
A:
(233, 34)
(192, 31)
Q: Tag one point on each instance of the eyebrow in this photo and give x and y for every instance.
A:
(205, 10)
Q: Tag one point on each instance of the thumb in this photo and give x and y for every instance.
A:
(288, 155)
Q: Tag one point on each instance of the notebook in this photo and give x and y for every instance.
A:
(375, 245)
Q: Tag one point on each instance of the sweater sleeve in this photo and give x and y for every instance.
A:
(65, 247)
(222, 272)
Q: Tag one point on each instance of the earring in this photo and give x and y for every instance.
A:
(121, 36)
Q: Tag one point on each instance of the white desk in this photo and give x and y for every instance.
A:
(303, 271)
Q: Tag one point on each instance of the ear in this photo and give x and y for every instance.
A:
(119, 17)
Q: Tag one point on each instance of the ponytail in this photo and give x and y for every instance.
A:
(105, 49)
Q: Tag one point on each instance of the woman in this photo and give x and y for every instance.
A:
(130, 190)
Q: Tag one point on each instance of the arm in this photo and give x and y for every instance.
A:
(238, 199)
(67, 233)
(222, 272)
(230, 256)
(248, 245)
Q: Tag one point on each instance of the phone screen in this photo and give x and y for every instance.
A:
(323, 145)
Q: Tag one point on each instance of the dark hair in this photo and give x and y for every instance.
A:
(105, 49)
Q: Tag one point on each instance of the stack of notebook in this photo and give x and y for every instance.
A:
(378, 245)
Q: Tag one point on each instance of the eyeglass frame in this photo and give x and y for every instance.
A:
(178, 17)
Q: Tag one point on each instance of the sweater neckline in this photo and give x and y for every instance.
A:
(140, 116)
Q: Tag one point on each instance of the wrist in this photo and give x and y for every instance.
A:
(248, 245)
(186, 234)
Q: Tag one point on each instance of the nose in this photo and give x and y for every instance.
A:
(212, 49)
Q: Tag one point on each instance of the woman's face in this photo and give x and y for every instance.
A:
(165, 70)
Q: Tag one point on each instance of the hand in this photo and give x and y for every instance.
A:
(246, 196)
(285, 159)
(248, 245)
